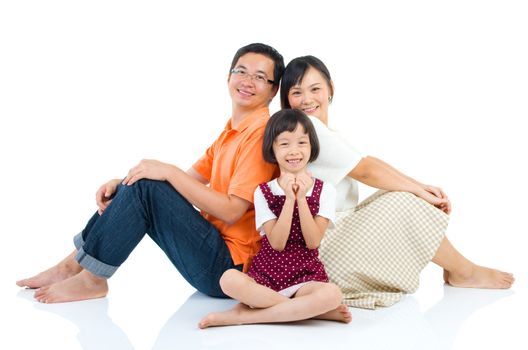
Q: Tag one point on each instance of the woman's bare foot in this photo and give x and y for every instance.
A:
(63, 270)
(341, 314)
(446, 276)
(479, 277)
(225, 318)
(82, 286)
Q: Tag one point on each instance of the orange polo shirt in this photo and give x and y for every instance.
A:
(234, 166)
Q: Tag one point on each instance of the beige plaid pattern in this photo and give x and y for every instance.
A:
(377, 250)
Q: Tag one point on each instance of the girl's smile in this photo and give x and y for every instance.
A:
(292, 150)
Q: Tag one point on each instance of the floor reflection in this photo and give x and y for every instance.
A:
(403, 325)
(447, 316)
(374, 329)
(96, 328)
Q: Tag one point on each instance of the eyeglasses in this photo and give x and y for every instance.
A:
(259, 78)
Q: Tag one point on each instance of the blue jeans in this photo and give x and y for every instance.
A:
(155, 208)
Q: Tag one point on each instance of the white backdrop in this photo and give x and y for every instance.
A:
(87, 89)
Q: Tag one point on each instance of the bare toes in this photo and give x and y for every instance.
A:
(42, 298)
(40, 292)
(205, 322)
(21, 283)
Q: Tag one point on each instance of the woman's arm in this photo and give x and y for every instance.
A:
(437, 191)
(392, 169)
(376, 173)
(371, 172)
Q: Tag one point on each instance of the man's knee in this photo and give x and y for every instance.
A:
(148, 183)
(155, 189)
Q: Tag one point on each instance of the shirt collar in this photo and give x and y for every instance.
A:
(250, 119)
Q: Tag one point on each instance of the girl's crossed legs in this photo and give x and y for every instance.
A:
(260, 304)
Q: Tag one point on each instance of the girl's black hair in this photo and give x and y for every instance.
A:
(294, 73)
(287, 120)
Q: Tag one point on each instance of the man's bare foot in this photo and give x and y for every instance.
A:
(479, 277)
(341, 314)
(225, 318)
(63, 270)
(81, 286)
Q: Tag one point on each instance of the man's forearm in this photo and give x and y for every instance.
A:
(218, 204)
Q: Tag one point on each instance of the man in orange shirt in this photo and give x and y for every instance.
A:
(157, 199)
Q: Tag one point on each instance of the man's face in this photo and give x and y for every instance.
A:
(248, 82)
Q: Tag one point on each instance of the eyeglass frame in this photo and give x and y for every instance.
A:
(242, 73)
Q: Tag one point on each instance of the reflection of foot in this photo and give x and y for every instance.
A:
(63, 270)
(225, 318)
(96, 328)
(480, 277)
(457, 305)
(82, 286)
(341, 314)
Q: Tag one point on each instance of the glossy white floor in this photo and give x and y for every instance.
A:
(151, 307)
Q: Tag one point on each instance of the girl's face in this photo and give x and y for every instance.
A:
(312, 95)
(292, 150)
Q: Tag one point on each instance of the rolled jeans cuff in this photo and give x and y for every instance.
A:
(91, 264)
(78, 241)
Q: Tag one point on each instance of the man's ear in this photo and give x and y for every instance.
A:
(274, 90)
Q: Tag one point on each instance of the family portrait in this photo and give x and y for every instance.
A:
(265, 179)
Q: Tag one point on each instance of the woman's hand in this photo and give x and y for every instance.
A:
(437, 197)
(148, 169)
(104, 194)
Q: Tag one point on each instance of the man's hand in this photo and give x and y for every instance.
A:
(148, 169)
(105, 193)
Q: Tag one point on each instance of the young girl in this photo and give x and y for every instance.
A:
(286, 280)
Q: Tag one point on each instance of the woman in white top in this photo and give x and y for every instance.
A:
(378, 248)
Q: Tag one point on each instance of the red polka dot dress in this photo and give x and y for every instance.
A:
(296, 263)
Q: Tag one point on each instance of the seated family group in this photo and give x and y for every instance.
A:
(278, 226)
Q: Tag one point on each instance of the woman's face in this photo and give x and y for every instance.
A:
(312, 95)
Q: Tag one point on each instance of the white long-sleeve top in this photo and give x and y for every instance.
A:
(336, 159)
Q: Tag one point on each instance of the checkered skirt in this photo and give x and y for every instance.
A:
(377, 250)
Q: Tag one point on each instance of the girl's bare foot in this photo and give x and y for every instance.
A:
(225, 318)
(479, 277)
(341, 314)
(81, 286)
(63, 270)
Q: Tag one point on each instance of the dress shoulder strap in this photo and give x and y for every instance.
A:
(317, 188)
(266, 191)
